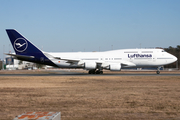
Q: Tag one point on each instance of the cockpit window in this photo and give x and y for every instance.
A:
(163, 51)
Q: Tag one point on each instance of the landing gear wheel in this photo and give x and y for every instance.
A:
(158, 72)
(97, 72)
(91, 72)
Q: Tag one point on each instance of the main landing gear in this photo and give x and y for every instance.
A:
(95, 71)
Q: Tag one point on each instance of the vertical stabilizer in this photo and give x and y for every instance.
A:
(20, 44)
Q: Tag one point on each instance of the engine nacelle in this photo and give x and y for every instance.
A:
(115, 67)
(90, 65)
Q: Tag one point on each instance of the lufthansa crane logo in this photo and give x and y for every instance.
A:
(20, 44)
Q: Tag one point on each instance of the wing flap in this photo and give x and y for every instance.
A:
(127, 63)
(122, 62)
(59, 58)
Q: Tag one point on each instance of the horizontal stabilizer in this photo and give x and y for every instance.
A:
(20, 56)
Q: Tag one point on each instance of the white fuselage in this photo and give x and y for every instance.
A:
(125, 57)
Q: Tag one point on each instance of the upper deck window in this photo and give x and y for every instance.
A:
(131, 52)
(147, 51)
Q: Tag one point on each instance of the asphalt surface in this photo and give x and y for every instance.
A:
(65, 73)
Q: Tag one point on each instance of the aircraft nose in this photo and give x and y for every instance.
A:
(174, 58)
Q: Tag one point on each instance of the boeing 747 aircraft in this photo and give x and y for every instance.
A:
(94, 62)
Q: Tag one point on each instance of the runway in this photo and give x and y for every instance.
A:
(80, 73)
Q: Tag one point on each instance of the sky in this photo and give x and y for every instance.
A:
(91, 25)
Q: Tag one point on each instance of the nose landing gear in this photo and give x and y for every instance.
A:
(158, 70)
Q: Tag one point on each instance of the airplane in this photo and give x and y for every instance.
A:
(94, 62)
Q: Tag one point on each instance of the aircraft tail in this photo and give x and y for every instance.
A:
(25, 50)
(21, 45)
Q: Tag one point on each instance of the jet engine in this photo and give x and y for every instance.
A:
(90, 65)
(115, 67)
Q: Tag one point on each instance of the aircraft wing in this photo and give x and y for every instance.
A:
(72, 61)
(127, 63)
(81, 62)
(66, 59)
(122, 62)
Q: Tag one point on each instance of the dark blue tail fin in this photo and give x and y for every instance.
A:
(25, 50)
(20, 44)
